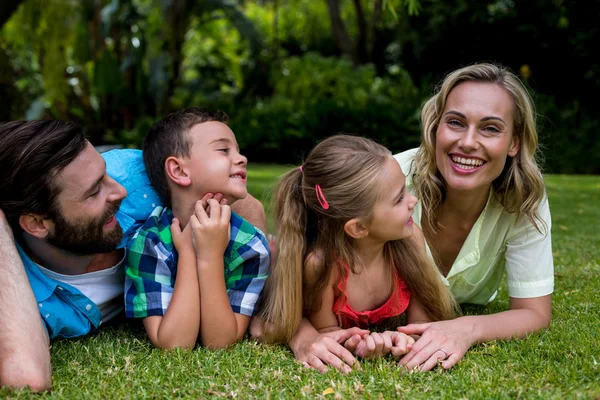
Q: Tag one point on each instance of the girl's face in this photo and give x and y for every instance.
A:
(475, 136)
(392, 213)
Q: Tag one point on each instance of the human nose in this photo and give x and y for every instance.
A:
(117, 192)
(412, 201)
(468, 141)
(241, 160)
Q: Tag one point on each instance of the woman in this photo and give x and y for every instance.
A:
(483, 210)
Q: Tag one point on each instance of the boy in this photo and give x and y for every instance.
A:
(195, 270)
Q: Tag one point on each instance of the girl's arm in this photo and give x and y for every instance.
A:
(456, 336)
(323, 320)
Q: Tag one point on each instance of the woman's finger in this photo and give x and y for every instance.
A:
(452, 360)
(432, 361)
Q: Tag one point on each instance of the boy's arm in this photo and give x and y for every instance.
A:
(180, 325)
(247, 262)
(171, 313)
(220, 326)
(210, 224)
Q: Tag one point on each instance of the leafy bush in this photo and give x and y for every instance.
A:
(315, 97)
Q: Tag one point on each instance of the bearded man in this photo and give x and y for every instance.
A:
(61, 236)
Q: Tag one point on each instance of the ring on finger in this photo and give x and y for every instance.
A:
(443, 351)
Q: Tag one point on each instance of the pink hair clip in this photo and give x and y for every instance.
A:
(301, 170)
(321, 197)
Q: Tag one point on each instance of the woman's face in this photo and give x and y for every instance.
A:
(475, 136)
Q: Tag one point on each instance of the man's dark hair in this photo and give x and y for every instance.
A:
(32, 154)
(169, 137)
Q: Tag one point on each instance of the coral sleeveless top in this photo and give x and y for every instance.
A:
(395, 305)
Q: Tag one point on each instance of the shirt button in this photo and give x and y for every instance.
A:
(88, 307)
(145, 196)
(41, 305)
(47, 315)
(153, 205)
(60, 288)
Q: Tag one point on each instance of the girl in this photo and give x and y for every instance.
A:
(348, 253)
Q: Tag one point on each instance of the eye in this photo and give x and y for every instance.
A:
(224, 150)
(454, 122)
(400, 199)
(96, 193)
(491, 129)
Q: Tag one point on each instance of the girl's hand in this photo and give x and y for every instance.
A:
(401, 343)
(374, 345)
(181, 239)
(210, 229)
(442, 341)
(326, 349)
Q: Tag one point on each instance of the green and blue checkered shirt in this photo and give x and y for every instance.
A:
(151, 266)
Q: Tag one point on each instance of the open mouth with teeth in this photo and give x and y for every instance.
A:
(241, 176)
(466, 163)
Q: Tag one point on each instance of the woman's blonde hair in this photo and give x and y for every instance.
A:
(347, 169)
(520, 187)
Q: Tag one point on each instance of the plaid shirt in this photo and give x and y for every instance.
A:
(151, 266)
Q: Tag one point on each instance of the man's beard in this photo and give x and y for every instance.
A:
(86, 238)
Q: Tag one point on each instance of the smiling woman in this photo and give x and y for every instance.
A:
(483, 210)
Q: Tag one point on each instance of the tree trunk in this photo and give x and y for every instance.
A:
(340, 34)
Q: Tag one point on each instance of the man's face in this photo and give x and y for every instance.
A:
(83, 217)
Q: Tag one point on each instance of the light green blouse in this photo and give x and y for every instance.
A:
(497, 242)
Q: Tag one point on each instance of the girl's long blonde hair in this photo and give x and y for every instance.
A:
(520, 187)
(347, 170)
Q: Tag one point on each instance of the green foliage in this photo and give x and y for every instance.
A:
(315, 97)
(565, 129)
(116, 65)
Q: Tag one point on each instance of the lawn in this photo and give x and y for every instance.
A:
(558, 363)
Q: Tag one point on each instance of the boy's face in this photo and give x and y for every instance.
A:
(215, 164)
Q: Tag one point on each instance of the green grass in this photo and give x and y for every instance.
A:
(557, 363)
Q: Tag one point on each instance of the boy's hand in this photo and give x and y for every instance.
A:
(210, 229)
(181, 239)
(217, 196)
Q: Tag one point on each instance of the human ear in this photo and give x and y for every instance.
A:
(514, 146)
(174, 167)
(36, 225)
(355, 229)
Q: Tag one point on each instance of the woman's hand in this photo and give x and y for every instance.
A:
(445, 341)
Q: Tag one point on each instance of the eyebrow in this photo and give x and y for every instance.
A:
(484, 119)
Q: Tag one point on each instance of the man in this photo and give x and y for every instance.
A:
(62, 208)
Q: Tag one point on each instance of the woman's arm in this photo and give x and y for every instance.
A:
(456, 336)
